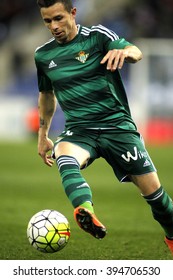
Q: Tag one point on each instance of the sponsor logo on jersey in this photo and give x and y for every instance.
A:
(52, 64)
(82, 56)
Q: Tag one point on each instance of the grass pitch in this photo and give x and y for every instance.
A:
(28, 186)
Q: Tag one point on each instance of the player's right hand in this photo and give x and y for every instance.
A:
(45, 145)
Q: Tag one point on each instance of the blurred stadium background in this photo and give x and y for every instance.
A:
(149, 23)
(27, 186)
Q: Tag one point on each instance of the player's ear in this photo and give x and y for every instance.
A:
(73, 12)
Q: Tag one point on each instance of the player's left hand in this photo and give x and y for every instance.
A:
(115, 59)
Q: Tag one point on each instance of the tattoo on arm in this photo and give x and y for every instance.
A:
(42, 122)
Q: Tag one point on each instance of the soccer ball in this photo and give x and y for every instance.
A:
(48, 231)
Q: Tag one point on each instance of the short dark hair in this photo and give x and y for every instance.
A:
(47, 3)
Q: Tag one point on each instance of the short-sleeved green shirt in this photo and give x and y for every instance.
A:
(89, 95)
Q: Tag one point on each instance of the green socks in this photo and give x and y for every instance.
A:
(162, 209)
(75, 186)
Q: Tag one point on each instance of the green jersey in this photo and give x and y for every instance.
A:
(90, 96)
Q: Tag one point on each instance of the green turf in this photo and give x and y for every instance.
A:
(28, 186)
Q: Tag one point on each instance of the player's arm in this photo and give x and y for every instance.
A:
(115, 58)
(46, 107)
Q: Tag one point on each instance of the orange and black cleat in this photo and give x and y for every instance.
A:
(89, 222)
(169, 243)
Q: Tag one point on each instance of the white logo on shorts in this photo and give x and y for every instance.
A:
(69, 133)
(130, 156)
(146, 163)
(137, 155)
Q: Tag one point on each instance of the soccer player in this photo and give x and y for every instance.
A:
(79, 67)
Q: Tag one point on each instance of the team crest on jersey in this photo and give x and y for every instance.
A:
(82, 56)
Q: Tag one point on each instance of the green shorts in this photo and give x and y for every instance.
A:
(124, 150)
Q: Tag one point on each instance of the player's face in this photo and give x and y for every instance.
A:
(61, 23)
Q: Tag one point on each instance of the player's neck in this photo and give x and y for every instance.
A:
(73, 33)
